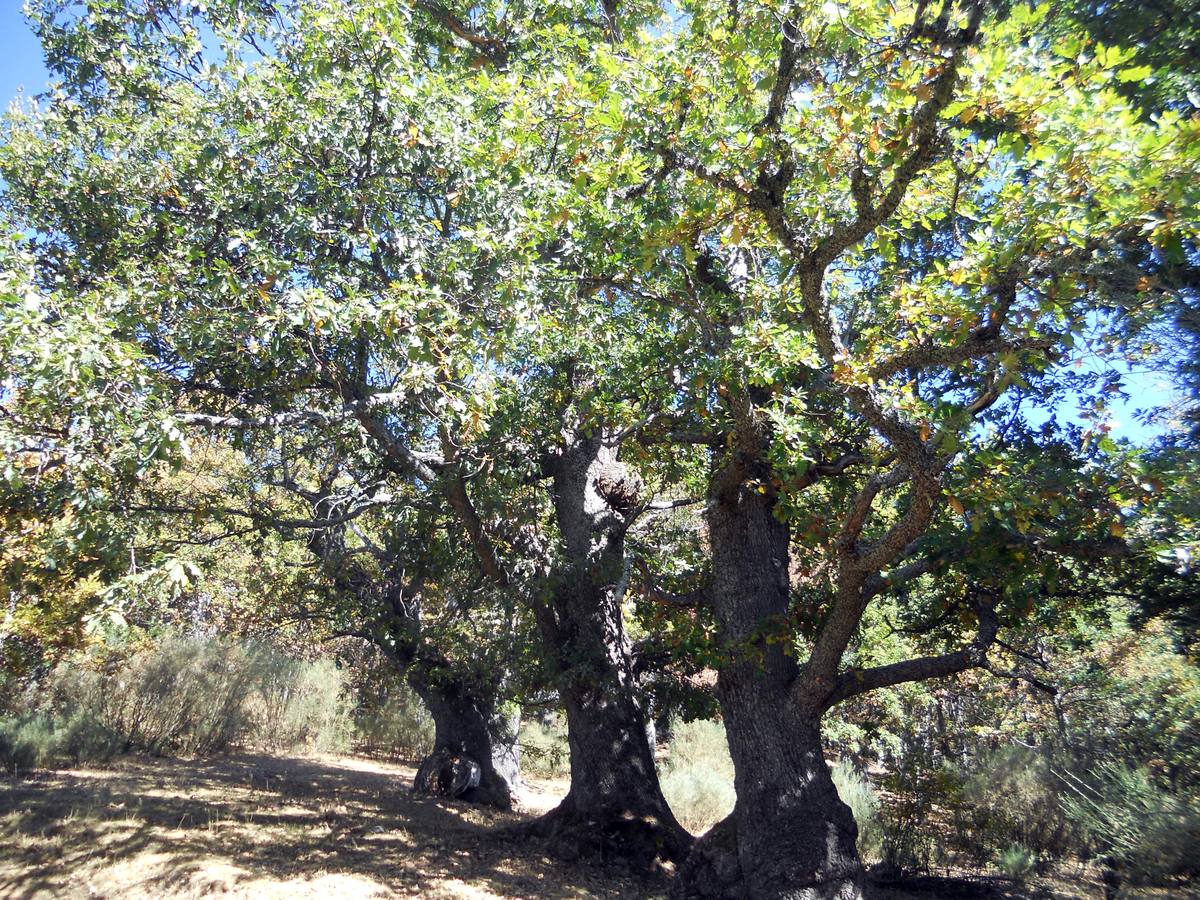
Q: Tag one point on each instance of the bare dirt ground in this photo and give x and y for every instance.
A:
(265, 826)
(315, 827)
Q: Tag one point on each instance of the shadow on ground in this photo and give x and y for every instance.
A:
(269, 826)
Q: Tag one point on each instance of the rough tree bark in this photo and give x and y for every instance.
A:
(615, 807)
(466, 724)
(789, 836)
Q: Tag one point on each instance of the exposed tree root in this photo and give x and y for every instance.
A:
(643, 842)
(445, 774)
(711, 869)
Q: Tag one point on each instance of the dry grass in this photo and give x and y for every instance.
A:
(268, 826)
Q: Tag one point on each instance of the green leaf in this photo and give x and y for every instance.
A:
(1137, 73)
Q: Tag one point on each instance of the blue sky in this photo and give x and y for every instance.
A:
(20, 54)
(21, 68)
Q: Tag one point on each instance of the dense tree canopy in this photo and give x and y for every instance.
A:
(690, 334)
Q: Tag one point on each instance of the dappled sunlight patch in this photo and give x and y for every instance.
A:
(345, 886)
(266, 826)
(542, 796)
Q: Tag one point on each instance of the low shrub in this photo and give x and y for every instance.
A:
(299, 704)
(82, 739)
(544, 749)
(181, 696)
(1016, 862)
(1143, 830)
(396, 724)
(26, 742)
(38, 740)
(1010, 798)
(915, 785)
(697, 778)
(189, 696)
(857, 793)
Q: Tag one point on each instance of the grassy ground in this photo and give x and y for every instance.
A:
(282, 827)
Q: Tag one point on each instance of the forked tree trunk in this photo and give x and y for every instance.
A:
(615, 807)
(790, 836)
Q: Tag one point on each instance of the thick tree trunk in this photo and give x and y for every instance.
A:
(795, 837)
(466, 725)
(615, 807)
(790, 836)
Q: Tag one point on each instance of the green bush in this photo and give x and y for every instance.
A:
(189, 696)
(183, 695)
(1017, 806)
(990, 803)
(299, 704)
(915, 784)
(82, 739)
(1016, 862)
(26, 742)
(1145, 831)
(544, 749)
(1143, 707)
(396, 724)
(1010, 798)
(857, 793)
(697, 779)
(38, 740)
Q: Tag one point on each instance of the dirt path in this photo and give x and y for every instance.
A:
(324, 827)
(266, 826)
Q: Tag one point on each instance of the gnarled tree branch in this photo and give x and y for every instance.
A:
(858, 681)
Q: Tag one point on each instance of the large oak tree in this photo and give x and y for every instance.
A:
(823, 270)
